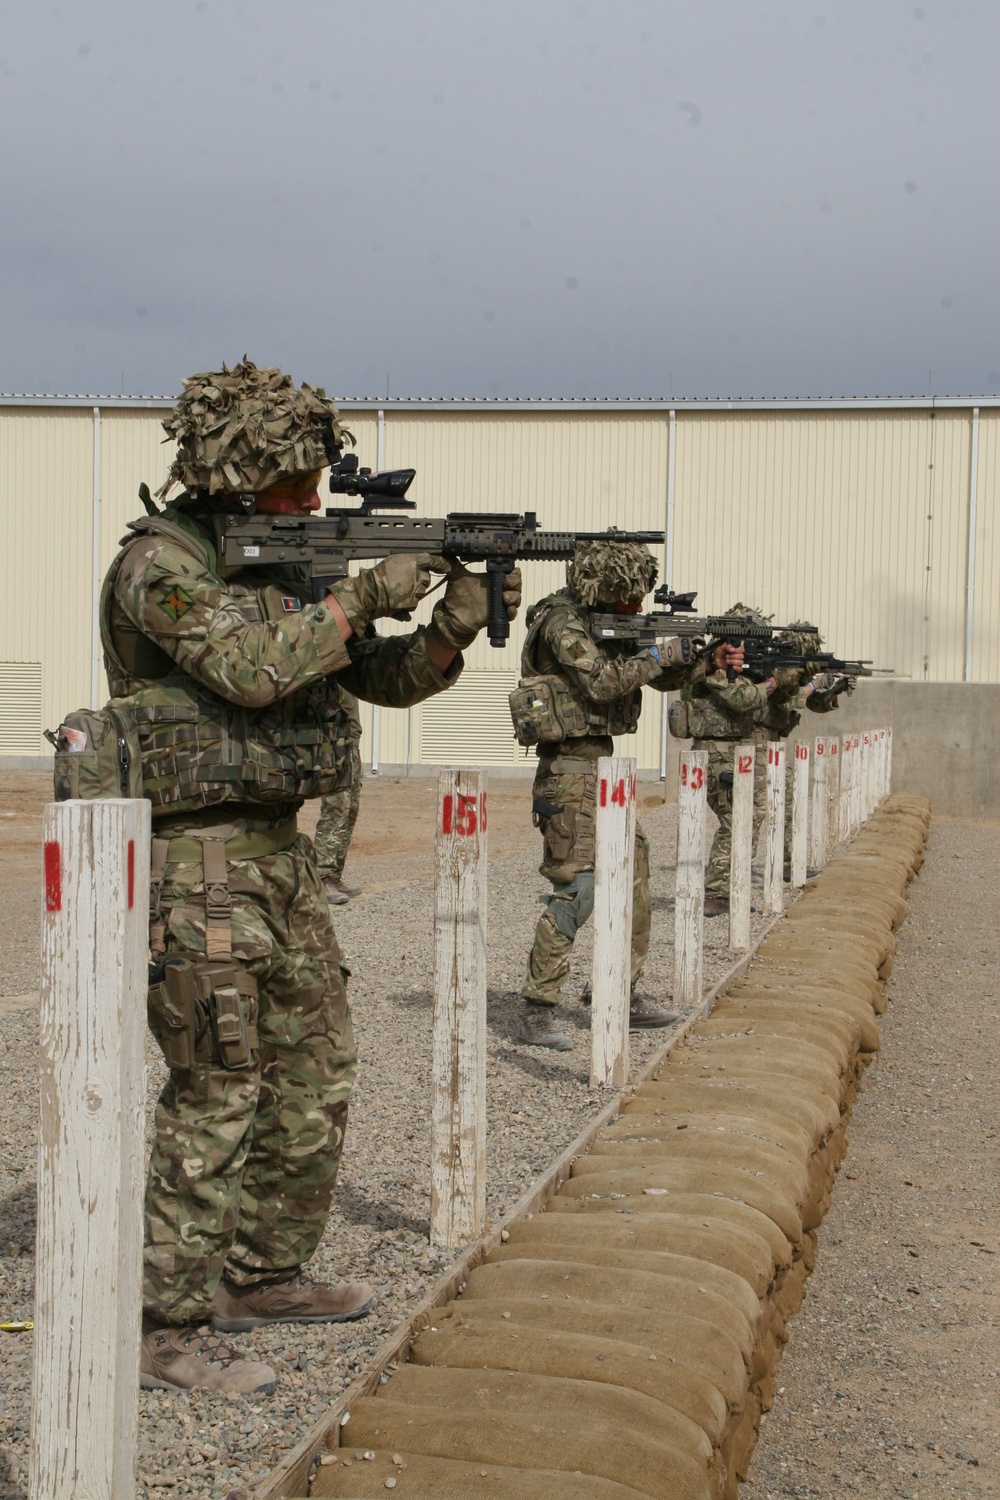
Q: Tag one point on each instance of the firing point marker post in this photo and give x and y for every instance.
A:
(458, 1068)
(88, 1292)
(741, 852)
(613, 875)
(689, 899)
(774, 830)
(800, 814)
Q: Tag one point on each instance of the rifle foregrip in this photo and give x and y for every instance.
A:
(497, 624)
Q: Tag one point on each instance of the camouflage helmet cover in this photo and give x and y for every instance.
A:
(749, 612)
(239, 430)
(611, 572)
(801, 638)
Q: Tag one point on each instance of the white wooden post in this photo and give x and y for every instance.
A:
(458, 1086)
(846, 779)
(818, 815)
(833, 775)
(774, 828)
(613, 865)
(800, 814)
(741, 854)
(868, 775)
(857, 783)
(88, 1290)
(888, 763)
(689, 900)
(883, 782)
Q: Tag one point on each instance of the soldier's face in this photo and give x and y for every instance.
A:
(297, 496)
(625, 607)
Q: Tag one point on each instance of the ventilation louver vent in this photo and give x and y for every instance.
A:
(20, 707)
(469, 725)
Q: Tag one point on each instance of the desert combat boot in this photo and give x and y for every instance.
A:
(196, 1359)
(289, 1299)
(538, 1028)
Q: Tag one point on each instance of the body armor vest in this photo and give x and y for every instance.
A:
(543, 679)
(198, 750)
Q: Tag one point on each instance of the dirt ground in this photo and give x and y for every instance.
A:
(889, 1381)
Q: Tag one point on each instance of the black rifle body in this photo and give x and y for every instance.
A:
(321, 548)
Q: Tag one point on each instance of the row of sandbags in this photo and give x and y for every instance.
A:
(624, 1342)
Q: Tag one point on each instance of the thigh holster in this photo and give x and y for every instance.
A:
(203, 1012)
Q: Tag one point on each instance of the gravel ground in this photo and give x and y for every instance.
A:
(195, 1446)
(889, 1380)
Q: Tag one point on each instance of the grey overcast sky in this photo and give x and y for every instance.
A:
(503, 197)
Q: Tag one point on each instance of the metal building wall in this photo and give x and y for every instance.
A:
(854, 517)
(855, 520)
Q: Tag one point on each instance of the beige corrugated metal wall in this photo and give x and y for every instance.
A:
(856, 518)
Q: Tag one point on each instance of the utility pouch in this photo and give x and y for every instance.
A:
(97, 754)
(203, 1013)
(544, 711)
(677, 720)
(726, 779)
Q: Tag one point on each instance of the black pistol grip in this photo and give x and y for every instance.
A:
(498, 625)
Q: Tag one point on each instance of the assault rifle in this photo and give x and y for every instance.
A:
(762, 659)
(677, 618)
(320, 548)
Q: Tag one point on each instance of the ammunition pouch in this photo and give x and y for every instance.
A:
(545, 710)
(677, 720)
(203, 1013)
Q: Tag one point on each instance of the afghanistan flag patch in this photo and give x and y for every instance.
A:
(290, 604)
(176, 603)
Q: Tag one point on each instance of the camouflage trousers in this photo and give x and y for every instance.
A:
(720, 800)
(245, 1162)
(337, 817)
(569, 836)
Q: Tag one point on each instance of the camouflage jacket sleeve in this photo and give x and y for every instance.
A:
(395, 670)
(596, 676)
(740, 696)
(219, 635)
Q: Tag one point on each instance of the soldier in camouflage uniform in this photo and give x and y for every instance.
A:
(338, 815)
(722, 713)
(235, 688)
(598, 693)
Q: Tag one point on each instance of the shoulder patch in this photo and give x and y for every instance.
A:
(290, 604)
(177, 602)
(575, 649)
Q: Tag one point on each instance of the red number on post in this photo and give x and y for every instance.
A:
(745, 765)
(466, 821)
(618, 794)
(801, 752)
(604, 792)
(697, 778)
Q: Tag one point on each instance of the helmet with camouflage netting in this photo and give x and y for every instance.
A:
(801, 638)
(240, 430)
(611, 572)
(748, 612)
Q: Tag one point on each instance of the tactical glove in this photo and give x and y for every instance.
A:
(463, 611)
(826, 687)
(393, 587)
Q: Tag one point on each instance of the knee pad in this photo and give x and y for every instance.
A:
(571, 904)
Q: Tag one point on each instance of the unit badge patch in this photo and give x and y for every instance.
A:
(176, 603)
(290, 604)
(576, 649)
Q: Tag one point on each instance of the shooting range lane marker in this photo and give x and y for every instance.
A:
(92, 1036)
(774, 829)
(741, 850)
(689, 898)
(800, 814)
(613, 875)
(458, 1086)
(818, 814)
